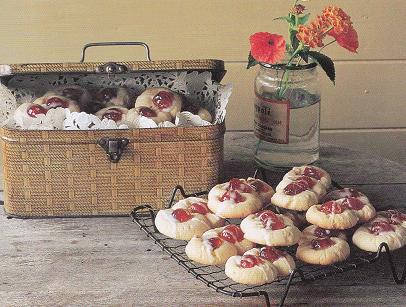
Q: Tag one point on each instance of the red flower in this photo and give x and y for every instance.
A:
(267, 48)
(348, 40)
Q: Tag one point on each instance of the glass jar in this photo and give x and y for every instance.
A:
(287, 115)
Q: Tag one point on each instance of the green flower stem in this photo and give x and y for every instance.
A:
(283, 84)
(332, 42)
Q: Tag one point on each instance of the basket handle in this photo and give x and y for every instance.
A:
(99, 44)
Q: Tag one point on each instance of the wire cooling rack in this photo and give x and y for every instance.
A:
(214, 277)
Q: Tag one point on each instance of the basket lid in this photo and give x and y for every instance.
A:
(215, 66)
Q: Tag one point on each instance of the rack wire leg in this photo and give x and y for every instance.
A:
(287, 287)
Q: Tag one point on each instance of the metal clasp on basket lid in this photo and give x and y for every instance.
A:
(114, 147)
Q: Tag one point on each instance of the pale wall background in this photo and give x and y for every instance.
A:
(366, 109)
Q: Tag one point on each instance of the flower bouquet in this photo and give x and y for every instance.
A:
(287, 92)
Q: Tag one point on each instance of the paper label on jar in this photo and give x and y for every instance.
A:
(271, 120)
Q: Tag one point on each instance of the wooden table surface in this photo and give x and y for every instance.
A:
(109, 261)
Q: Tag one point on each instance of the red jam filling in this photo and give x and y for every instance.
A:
(271, 253)
(270, 220)
(302, 184)
(351, 192)
(147, 112)
(313, 172)
(106, 94)
(72, 93)
(181, 215)
(395, 217)
(322, 243)
(353, 203)
(249, 261)
(199, 208)
(323, 233)
(56, 102)
(36, 109)
(113, 114)
(163, 100)
(379, 227)
(333, 207)
(232, 195)
(232, 234)
(259, 186)
(236, 184)
(343, 193)
(215, 242)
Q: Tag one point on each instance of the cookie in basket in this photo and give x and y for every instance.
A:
(332, 215)
(310, 171)
(113, 96)
(199, 205)
(264, 190)
(271, 229)
(73, 92)
(323, 251)
(181, 224)
(281, 259)
(313, 232)
(195, 108)
(210, 249)
(298, 193)
(234, 235)
(156, 116)
(53, 102)
(234, 199)
(393, 216)
(369, 236)
(117, 114)
(355, 201)
(250, 270)
(160, 99)
(28, 111)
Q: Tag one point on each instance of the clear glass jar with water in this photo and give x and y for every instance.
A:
(287, 115)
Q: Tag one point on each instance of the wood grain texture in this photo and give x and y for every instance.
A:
(108, 261)
(55, 30)
(390, 144)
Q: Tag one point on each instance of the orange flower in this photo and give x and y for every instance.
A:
(342, 31)
(267, 48)
(333, 22)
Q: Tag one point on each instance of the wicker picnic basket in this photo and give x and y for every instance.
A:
(106, 172)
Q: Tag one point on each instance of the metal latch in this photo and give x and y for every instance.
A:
(113, 147)
(111, 68)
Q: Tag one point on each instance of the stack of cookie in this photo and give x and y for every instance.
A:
(210, 243)
(388, 227)
(302, 197)
(114, 103)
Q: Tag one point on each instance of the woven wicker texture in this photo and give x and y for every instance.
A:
(61, 173)
(214, 65)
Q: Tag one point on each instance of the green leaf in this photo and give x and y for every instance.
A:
(304, 54)
(293, 39)
(251, 61)
(290, 19)
(283, 18)
(325, 62)
(303, 19)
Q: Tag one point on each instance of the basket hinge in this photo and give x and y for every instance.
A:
(113, 147)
